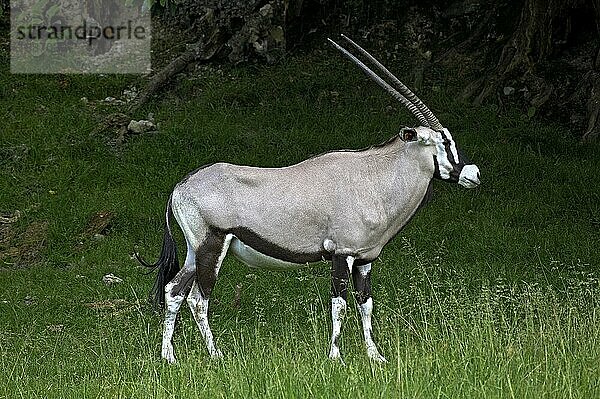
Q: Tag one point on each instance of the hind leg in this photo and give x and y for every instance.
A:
(209, 258)
(175, 292)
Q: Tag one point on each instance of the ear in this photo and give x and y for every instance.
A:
(407, 134)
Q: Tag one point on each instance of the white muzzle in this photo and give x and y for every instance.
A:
(469, 176)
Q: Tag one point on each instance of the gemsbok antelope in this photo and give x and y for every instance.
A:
(341, 206)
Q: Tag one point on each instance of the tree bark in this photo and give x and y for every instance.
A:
(592, 132)
(530, 44)
(541, 56)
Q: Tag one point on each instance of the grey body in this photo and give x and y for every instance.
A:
(356, 199)
(342, 206)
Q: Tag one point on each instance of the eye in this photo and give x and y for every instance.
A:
(408, 134)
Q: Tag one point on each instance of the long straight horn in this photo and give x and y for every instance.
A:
(411, 107)
(433, 122)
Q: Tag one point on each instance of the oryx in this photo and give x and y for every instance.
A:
(341, 206)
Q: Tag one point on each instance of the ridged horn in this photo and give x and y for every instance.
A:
(386, 86)
(432, 120)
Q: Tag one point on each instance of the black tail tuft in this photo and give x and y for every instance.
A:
(167, 263)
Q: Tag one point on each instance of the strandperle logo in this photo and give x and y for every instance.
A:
(66, 36)
(82, 32)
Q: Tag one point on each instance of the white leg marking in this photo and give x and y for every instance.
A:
(350, 262)
(172, 305)
(199, 305)
(224, 250)
(366, 310)
(364, 269)
(338, 310)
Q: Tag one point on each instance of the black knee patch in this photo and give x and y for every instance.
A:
(362, 286)
(339, 277)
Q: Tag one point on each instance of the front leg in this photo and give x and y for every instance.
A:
(361, 278)
(340, 275)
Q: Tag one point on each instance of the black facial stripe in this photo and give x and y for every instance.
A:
(436, 170)
(457, 164)
(448, 150)
(455, 172)
(336, 340)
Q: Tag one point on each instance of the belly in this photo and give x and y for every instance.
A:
(248, 255)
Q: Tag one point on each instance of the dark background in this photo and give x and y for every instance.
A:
(541, 56)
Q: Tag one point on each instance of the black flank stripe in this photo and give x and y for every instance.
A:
(256, 242)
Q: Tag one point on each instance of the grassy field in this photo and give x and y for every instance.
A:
(488, 293)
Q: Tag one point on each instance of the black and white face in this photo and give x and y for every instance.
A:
(450, 164)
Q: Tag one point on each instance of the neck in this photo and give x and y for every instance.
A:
(404, 174)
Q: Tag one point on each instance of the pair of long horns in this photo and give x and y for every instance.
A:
(405, 95)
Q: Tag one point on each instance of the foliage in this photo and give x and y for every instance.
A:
(487, 293)
(4, 10)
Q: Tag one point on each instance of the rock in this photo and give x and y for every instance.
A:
(10, 218)
(110, 279)
(141, 126)
(113, 101)
(508, 90)
(266, 10)
(130, 94)
(30, 300)
(56, 327)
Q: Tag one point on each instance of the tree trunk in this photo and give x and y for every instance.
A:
(530, 45)
(592, 132)
(236, 31)
(540, 42)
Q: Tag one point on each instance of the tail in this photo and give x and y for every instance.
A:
(167, 263)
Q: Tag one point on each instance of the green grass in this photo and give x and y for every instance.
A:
(491, 292)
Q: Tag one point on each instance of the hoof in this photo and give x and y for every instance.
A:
(376, 357)
(216, 354)
(335, 356)
(168, 355)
